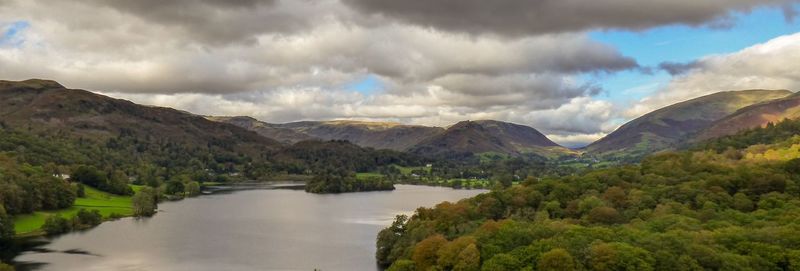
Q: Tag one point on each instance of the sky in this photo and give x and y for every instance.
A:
(573, 69)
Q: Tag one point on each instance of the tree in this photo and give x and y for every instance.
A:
(387, 238)
(556, 260)
(469, 259)
(144, 202)
(426, 251)
(85, 218)
(502, 262)
(193, 189)
(175, 187)
(605, 215)
(402, 265)
(619, 256)
(80, 191)
(89, 176)
(6, 227)
(55, 224)
(742, 203)
(448, 254)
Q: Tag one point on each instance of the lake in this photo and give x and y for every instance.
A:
(277, 229)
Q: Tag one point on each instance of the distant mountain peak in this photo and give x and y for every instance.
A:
(489, 136)
(668, 126)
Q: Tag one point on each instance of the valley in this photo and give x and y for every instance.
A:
(63, 151)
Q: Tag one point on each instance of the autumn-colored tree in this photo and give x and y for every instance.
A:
(469, 259)
(556, 260)
(616, 196)
(426, 251)
(619, 256)
(448, 254)
(605, 215)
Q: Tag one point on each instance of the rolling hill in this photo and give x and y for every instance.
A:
(489, 136)
(757, 115)
(42, 106)
(378, 135)
(664, 128)
(273, 131)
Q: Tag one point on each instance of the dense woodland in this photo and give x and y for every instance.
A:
(342, 181)
(729, 205)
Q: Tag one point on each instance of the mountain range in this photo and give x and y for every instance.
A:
(48, 107)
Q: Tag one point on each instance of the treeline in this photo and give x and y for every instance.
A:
(309, 157)
(343, 181)
(702, 210)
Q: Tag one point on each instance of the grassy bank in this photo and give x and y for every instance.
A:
(107, 204)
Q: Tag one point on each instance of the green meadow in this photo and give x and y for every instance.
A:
(107, 204)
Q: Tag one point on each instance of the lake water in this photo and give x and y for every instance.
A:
(245, 230)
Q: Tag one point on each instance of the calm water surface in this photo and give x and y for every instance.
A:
(245, 230)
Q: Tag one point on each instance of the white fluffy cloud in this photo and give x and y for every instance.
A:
(772, 64)
(286, 60)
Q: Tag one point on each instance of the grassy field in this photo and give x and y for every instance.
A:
(365, 175)
(95, 199)
(408, 170)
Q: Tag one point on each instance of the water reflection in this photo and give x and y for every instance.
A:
(245, 230)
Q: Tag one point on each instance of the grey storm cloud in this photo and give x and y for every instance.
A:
(530, 17)
(678, 68)
(216, 22)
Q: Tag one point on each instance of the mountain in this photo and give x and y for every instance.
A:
(489, 136)
(43, 106)
(666, 127)
(269, 130)
(378, 135)
(757, 115)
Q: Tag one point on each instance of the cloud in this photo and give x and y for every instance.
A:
(770, 65)
(287, 60)
(121, 52)
(518, 18)
(677, 68)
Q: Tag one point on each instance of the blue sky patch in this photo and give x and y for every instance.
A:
(367, 85)
(681, 44)
(11, 33)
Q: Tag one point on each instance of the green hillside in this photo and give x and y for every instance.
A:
(667, 127)
(731, 204)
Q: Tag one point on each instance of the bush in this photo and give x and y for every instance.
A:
(55, 224)
(87, 219)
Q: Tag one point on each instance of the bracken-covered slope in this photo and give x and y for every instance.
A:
(664, 128)
(378, 135)
(754, 116)
(43, 106)
(489, 136)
